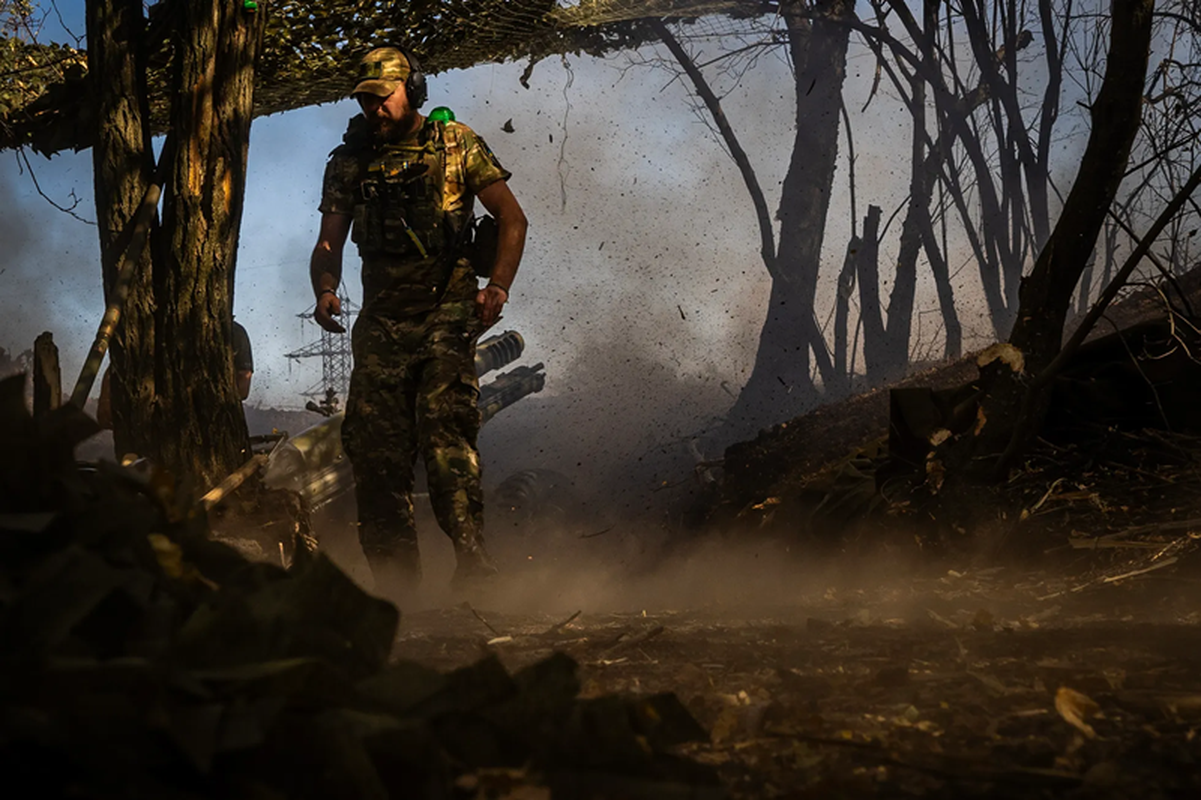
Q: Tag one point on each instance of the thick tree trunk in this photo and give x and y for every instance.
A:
(198, 425)
(1047, 293)
(780, 385)
(123, 163)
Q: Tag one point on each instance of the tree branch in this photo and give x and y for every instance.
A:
(767, 247)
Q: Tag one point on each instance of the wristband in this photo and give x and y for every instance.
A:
(334, 292)
(504, 289)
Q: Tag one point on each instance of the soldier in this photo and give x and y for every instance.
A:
(404, 186)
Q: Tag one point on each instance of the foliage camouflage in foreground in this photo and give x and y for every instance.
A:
(143, 659)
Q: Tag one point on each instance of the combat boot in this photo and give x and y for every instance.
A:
(473, 566)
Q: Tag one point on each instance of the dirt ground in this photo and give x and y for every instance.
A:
(887, 670)
(902, 664)
(879, 680)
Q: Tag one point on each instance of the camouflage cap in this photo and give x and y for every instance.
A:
(381, 72)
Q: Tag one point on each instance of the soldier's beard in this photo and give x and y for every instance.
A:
(392, 130)
(383, 128)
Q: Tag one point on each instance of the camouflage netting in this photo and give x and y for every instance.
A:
(311, 47)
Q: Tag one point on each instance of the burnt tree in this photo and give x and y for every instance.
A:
(1013, 399)
(781, 383)
(174, 398)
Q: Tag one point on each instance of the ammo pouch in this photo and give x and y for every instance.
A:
(399, 208)
(482, 238)
(399, 219)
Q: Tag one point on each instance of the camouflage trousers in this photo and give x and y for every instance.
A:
(414, 390)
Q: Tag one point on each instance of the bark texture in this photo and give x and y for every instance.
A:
(172, 378)
(199, 420)
(123, 163)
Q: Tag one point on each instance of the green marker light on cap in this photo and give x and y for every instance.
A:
(442, 114)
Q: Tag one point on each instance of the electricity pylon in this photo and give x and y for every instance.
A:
(336, 359)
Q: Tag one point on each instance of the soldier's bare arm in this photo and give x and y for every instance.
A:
(325, 269)
(242, 383)
(512, 224)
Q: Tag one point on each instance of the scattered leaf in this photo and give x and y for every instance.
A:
(1005, 353)
(1075, 707)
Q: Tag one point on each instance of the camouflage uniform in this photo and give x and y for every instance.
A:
(414, 386)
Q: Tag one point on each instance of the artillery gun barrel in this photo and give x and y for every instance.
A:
(313, 463)
(509, 387)
(497, 351)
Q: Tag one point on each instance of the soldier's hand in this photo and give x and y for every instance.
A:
(489, 302)
(328, 307)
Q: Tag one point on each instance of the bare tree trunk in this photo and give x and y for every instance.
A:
(917, 231)
(953, 329)
(1111, 251)
(844, 366)
(1084, 291)
(1047, 293)
(780, 385)
(123, 164)
(875, 335)
(199, 421)
(921, 187)
(1053, 46)
(987, 236)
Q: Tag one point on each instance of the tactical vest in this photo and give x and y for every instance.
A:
(399, 207)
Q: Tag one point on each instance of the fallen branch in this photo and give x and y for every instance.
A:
(235, 479)
(480, 617)
(1167, 562)
(1135, 573)
(137, 231)
(1055, 485)
(558, 626)
(1158, 527)
(1101, 543)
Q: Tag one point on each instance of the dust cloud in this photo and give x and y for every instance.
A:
(631, 567)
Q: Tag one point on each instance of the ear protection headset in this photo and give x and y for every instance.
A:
(415, 88)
